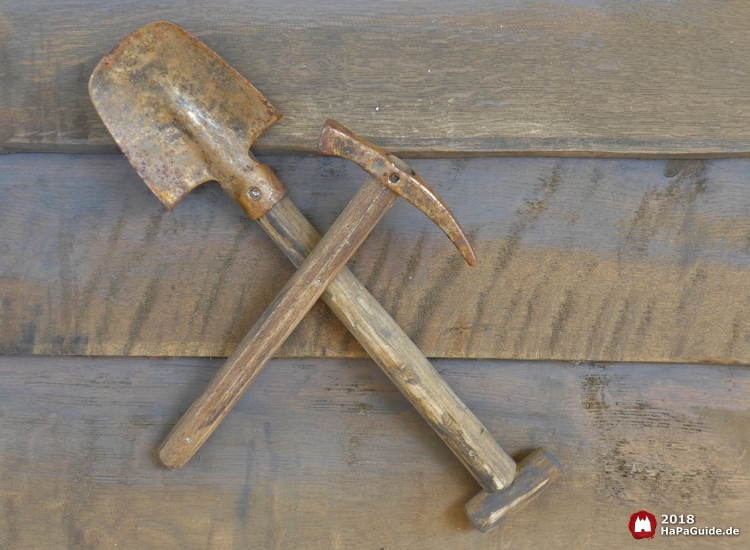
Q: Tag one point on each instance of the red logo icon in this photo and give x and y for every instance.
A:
(642, 525)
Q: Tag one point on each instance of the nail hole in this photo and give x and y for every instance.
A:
(254, 193)
(393, 178)
(189, 439)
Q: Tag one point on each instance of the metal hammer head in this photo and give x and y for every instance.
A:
(183, 116)
(337, 140)
(534, 473)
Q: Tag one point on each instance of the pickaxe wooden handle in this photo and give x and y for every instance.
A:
(400, 358)
(183, 116)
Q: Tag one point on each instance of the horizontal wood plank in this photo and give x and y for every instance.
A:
(327, 454)
(578, 260)
(556, 77)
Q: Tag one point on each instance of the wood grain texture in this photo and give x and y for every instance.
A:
(555, 77)
(307, 459)
(578, 259)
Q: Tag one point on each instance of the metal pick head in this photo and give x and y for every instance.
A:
(178, 111)
(339, 141)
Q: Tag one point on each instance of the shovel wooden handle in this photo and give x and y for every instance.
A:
(395, 353)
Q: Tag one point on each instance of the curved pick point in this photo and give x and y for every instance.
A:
(395, 174)
(420, 194)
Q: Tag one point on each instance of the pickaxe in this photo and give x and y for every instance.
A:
(183, 116)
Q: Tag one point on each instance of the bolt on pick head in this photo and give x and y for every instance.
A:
(337, 140)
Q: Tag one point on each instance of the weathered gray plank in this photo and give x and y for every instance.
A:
(327, 454)
(556, 77)
(578, 259)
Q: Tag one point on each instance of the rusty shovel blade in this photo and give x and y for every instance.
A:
(178, 111)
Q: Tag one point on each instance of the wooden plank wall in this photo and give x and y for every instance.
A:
(581, 260)
(616, 260)
(327, 454)
(556, 77)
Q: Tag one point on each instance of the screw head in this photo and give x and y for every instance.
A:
(254, 193)
(393, 178)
